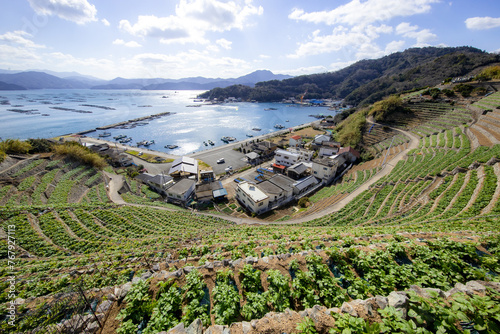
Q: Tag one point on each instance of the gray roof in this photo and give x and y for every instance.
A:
(298, 168)
(182, 186)
(282, 181)
(156, 179)
(326, 162)
(159, 178)
(269, 187)
(305, 182)
(144, 177)
(252, 155)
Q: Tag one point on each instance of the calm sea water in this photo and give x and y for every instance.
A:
(187, 127)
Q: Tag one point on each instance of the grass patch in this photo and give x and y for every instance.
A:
(151, 158)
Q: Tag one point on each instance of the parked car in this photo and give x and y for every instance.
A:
(221, 161)
(229, 168)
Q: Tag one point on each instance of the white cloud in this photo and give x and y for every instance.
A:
(423, 37)
(224, 43)
(358, 38)
(482, 23)
(131, 44)
(192, 19)
(303, 70)
(105, 22)
(19, 37)
(79, 11)
(394, 46)
(364, 13)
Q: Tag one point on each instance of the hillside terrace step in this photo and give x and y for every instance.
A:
(478, 138)
(492, 133)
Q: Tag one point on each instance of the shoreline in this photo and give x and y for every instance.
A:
(231, 145)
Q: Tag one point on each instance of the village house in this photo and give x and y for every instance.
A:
(319, 139)
(350, 154)
(159, 183)
(252, 198)
(184, 167)
(326, 169)
(299, 170)
(295, 141)
(181, 192)
(291, 156)
(305, 186)
(209, 191)
(328, 148)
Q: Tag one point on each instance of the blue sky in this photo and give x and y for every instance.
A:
(230, 38)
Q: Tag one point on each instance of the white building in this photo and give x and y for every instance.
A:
(266, 195)
(295, 141)
(292, 156)
(251, 197)
(325, 169)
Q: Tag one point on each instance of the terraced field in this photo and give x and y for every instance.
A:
(432, 223)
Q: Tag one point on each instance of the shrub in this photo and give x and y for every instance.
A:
(303, 202)
(381, 109)
(492, 72)
(349, 131)
(14, 146)
(40, 145)
(464, 89)
(81, 154)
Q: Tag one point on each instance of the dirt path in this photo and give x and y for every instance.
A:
(114, 185)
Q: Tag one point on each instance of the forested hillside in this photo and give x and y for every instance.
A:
(369, 80)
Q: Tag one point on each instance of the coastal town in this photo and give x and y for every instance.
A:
(259, 174)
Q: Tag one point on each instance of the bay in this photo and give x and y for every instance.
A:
(187, 127)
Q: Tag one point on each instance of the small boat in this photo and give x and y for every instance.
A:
(142, 142)
(205, 143)
(171, 146)
(120, 137)
(256, 129)
(287, 121)
(211, 142)
(105, 134)
(270, 109)
(279, 126)
(126, 140)
(149, 142)
(249, 135)
(45, 115)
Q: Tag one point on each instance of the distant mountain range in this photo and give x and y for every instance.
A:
(10, 80)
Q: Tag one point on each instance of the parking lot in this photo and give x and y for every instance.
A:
(231, 158)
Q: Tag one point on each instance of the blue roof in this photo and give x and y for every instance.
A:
(220, 192)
